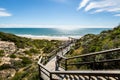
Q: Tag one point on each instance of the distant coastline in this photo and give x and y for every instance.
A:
(52, 33)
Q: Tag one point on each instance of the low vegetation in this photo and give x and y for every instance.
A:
(1, 53)
(26, 55)
(24, 59)
(93, 43)
(12, 56)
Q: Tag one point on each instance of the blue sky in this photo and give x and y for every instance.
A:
(59, 13)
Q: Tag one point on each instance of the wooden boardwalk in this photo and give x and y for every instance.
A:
(49, 72)
(51, 65)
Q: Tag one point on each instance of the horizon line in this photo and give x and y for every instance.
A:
(51, 26)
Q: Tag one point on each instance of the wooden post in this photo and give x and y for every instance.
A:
(39, 71)
(118, 77)
(57, 63)
(62, 51)
(50, 76)
(65, 64)
(90, 78)
(93, 65)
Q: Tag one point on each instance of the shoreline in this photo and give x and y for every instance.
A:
(61, 38)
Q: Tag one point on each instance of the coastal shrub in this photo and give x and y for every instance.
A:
(22, 42)
(31, 73)
(31, 51)
(5, 66)
(48, 49)
(12, 56)
(17, 64)
(1, 53)
(71, 51)
(77, 44)
(19, 76)
(34, 51)
(26, 61)
(35, 76)
(90, 43)
(27, 52)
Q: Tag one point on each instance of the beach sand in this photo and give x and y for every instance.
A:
(51, 38)
(62, 38)
(48, 38)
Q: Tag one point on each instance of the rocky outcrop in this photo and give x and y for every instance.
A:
(7, 74)
(8, 47)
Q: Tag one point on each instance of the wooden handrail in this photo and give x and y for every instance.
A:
(102, 61)
(53, 53)
(89, 72)
(42, 66)
(95, 53)
(108, 73)
(90, 54)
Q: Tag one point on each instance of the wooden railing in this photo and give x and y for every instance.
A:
(86, 75)
(78, 75)
(85, 57)
(92, 74)
(52, 54)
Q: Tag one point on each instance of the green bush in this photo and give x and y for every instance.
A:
(26, 61)
(34, 51)
(19, 76)
(12, 56)
(27, 52)
(17, 64)
(5, 66)
(90, 43)
(1, 53)
(48, 49)
(31, 52)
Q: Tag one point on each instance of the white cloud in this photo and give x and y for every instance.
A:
(82, 4)
(2, 9)
(4, 13)
(97, 6)
(117, 15)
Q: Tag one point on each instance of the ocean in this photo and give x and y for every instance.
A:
(52, 32)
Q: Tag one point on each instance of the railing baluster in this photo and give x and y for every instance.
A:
(50, 76)
(65, 64)
(57, 63)
(119, 78)
(94, 64)
(39, 71)
(87, 75)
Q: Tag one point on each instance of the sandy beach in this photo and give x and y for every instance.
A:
(50, 38)
(62, 38)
